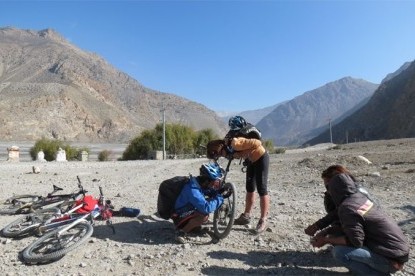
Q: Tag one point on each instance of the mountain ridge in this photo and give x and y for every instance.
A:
(75, 95)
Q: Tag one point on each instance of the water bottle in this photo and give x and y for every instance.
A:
(129, 212)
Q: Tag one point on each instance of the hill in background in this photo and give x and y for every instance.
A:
(50, 88)
(389, 114)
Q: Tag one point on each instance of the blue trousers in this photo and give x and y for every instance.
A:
(362, 261)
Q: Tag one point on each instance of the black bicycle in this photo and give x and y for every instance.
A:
(224, 216)
(29, 224)
(29, 203)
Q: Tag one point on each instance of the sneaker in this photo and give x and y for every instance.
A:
(181, 237)
(261, 226)
(242, 220)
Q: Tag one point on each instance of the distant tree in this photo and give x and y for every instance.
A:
(202, 137)
(104, 155)
(180, 139)
(51, 146)
(140, 146)
(269, 146)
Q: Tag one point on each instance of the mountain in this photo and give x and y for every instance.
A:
(251, 116)
(51, 88)
(389, 114)
(397, 72)
(294, 122)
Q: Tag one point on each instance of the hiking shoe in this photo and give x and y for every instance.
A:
(181, 237)
(242, 220)
(261, 226)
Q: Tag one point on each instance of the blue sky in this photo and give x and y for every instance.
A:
(232, 55)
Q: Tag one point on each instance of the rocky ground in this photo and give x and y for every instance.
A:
(146, 246)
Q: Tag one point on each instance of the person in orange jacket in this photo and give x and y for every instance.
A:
(257, 160)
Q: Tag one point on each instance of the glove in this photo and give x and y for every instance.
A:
(229, 150)
(225, 192)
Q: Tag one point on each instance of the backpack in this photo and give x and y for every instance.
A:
(89, 204)
(249, 131)
(169, 191)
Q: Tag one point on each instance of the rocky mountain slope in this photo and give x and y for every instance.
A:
(298, 120)
(389, 114)
(51, 88)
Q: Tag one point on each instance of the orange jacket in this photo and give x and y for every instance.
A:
(250, 149)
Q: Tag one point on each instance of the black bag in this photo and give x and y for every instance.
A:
(249, 131)
(169, 190)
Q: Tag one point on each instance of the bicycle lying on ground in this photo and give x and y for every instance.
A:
(224, 216)
(69, 230)
(24, 204)
(29, 223)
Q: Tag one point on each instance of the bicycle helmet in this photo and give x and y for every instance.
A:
(211, 170)
(236, 122)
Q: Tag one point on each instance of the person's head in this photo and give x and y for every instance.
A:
(332, 171)
(214, 149)
(210, 175)
(236, 122)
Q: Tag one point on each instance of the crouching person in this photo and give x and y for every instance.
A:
(372, 243)
(198, 198)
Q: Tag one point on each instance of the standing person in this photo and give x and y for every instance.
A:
(372, 243)
(244, 141)
(192, 208)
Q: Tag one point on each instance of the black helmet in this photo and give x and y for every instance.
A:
(236, 122)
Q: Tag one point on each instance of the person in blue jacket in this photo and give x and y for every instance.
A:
(198, 198)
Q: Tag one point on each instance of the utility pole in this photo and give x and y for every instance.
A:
(164, 133)
(331, 135)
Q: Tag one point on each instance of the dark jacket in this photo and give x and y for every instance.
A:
(364, 223)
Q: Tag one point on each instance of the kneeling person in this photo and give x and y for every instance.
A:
(197, 200)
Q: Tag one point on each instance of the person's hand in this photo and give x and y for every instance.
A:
(228, 141)
(225, 192)
(318, 241)
(311, 229)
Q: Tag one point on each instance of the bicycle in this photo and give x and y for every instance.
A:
(68, 231)
(29, 224)
(25, 204)
(224, 216)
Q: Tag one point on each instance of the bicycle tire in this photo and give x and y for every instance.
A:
(19, 204)
(224, 217)
(27, 224)
(26, 198)
(52, 247)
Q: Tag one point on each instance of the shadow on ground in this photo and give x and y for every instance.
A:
(264, 262)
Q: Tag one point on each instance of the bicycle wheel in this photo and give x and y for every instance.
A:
(53, 246)
(224, 217)
(25, 225)
(22, 199)
(20, 204)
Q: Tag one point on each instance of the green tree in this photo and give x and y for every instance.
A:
(140, 146)
(180, 139)
(51, 146)
(269, 145)
(201, 139)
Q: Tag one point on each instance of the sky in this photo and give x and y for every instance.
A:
(232, 55)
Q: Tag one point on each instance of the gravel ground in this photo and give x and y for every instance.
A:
(146, 246)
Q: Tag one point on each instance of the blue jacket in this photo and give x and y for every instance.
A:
(192, 198)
